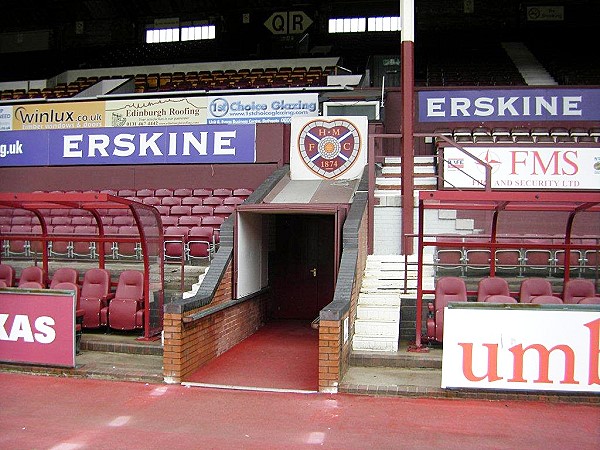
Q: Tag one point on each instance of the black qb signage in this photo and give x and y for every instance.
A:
(328, 149)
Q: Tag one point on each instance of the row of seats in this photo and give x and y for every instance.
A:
(193, 210)
(496, 290)
(244, 78)
(534, 257)
(521, 135)
(62, 244)
(97, 306)
(114, 217)
(233, 79)
(468, 63)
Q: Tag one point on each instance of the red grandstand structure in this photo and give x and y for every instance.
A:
(188, 153)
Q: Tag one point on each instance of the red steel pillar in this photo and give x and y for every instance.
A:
(407, 72)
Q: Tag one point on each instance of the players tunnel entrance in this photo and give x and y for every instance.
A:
(293, 254)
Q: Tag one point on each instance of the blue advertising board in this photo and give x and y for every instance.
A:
(181, 144)
(514, 105)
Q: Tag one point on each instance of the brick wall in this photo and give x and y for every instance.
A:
(336, 325)
(195, 337)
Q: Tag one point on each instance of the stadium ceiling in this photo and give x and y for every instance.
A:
(44, 14)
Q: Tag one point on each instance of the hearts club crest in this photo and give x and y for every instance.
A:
(329, 148)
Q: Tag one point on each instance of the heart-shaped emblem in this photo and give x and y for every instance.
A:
(329, 148)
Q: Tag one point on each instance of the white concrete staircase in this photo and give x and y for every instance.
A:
(387, 280)
(388, 185)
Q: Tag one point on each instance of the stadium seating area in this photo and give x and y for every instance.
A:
(525, 256)
(98, 305)
(468, 63)
(191, 220)
(244, 78)
(520, 135)
(496, 290)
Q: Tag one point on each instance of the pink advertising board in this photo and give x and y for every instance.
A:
(37, 327)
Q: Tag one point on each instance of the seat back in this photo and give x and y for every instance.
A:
(64, 275)
(491, 286)
(447, 289)
(130, 286)
(534, 287)
(68, 286)
(33, 274)
(96, 283)
(577, 289)
(7, 275)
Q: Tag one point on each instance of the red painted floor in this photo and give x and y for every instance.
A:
(56, 413)
(280, 355)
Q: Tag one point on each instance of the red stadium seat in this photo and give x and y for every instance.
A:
(144, 193)
(95, 294)
(223, 211)
(182, 192)
(534, 287)
(163, 192)
(546, 300)
(577, 289)
(168, 221)
(31, 285)
(126, 309)
(63, 247)
(176, 242)
(128, 249)
(191, 201)
(200, 192)
(170, 201)
(202, 210)
(222, 192)
(447, 289)
(492, 286)
(233, 201)
(7, 275)
(64, 275)
(200, 242)
(213, 201)
(85, 249)
(32, 274)
(180, 210)
(151, 200)
(189, 221)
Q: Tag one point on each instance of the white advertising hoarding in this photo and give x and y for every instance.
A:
(155, 112)
(269, 108)
(539, 168)
(522, 349)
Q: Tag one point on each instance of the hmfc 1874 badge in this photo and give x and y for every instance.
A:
(329, 148)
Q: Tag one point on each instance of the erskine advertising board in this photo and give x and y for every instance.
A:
(509, 105)
(181, 144)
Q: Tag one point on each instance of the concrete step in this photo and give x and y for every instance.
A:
(379, 300)
(375, 343)
(378, 328)
(385, 313)
(397, 170)
(417, 160)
